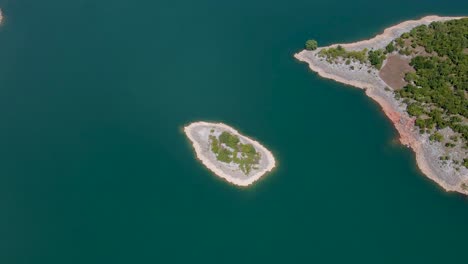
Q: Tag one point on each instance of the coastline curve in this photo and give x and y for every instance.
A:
(374, 88)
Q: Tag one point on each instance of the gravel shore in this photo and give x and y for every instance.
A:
(367, 78)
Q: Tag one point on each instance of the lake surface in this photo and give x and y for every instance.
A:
(95, 168)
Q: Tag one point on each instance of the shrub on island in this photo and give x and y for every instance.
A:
(439, 85)
(376, 58)
(228, 148)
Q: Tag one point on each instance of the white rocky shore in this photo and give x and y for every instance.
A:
(367, 78)
(199, 132)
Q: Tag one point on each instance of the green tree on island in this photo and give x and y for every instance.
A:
(376, 58)
(228, 146)
(390, 48)
(311, 44)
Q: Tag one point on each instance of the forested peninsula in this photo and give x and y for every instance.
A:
(418, 72)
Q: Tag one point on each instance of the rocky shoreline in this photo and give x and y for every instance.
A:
(198, 133)
(367, 78)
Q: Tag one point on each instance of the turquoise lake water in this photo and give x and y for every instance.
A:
(94, 167)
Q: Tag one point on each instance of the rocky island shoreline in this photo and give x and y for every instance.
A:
(241, 166)
(446, 173)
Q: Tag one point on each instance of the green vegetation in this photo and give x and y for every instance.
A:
(214, 144)
(400, 42)
(229, 139)
(376, 58)
(406, 51)
(390, 48)
(415, 109)
(228, 148)
(311, 44)
(436, 137)
(444, 158)
(405, 35)
(437, 93)
(449, 145)
(339, 52)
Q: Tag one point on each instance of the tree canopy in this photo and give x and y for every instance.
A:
(228, 148)
(438, 91)
(311, 44)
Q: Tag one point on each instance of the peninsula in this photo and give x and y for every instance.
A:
(417, 71)
(230, 155)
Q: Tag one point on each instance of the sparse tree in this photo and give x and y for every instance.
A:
(311, 44)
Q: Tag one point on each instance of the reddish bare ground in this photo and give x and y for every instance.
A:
(394, 71)
(403, 124)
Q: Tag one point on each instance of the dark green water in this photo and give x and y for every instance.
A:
(94, 167)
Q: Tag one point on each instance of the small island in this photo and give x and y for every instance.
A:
(230, 155)
(417, 71)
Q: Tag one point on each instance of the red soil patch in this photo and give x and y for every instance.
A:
(394, 71)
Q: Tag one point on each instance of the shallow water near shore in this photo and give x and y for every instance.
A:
(95, 167)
